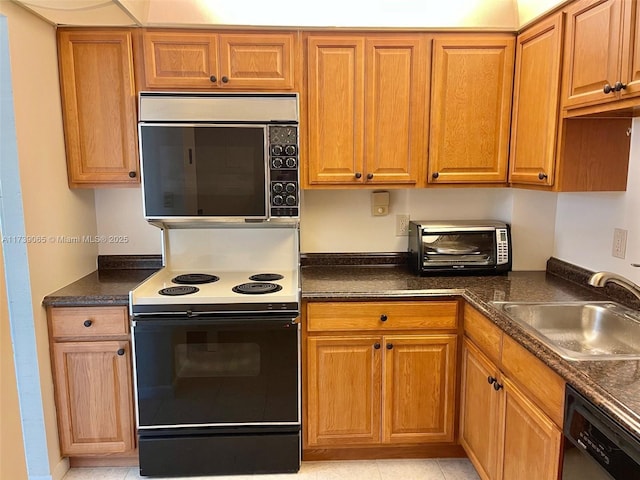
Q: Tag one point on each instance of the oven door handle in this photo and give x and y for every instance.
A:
(251, 322)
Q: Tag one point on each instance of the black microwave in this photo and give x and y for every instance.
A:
(479, 247)
(219, 156)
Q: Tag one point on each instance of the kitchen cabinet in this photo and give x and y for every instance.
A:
(91, 357)
(99, 107)
(180, 59)
(511, 407)
(602, 60)
(366, 107)
(471, 87)
(380, 373)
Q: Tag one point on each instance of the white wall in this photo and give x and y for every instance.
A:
(585, 222)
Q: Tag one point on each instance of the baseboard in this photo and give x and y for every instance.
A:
(60, 470)
(373, 453)
(123, 460)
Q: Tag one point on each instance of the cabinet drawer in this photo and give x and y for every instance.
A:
(344, 316)
(485, 334)
(542, 384)
(89, 321)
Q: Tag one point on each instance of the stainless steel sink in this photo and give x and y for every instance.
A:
(580, 330)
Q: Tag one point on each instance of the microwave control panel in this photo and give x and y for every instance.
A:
(284, 181)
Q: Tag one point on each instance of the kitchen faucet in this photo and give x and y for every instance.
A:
(600, 279)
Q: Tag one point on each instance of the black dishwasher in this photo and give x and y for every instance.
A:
(596, 446)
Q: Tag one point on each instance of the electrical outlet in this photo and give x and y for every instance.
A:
(619, 243)
(402, 225)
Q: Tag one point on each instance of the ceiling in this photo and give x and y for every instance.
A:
(489, 14)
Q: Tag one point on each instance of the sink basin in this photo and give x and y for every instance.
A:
(580, 330)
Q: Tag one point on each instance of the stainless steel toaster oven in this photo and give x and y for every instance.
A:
(477, 247)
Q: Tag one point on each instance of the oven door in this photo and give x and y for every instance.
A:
(216, 372)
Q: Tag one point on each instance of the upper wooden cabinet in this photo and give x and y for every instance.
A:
(602, 54)
(204, 60)
(99, 106)
(366, 109)
(472, 78)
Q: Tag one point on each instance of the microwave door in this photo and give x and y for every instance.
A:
(458, 248)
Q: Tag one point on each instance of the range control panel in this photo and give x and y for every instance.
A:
(284, 171)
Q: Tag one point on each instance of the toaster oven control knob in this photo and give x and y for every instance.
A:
(276, 163)
(290, 188)
(278, 188)
(291, 162)
(276, 149)
(290, 149)
(291, 200)
(278, 200)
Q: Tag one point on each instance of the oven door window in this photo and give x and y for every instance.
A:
(194, 375)
(204, 170)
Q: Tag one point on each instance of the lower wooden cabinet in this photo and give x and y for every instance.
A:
(505, 434)
(91, 357)
(380, 386)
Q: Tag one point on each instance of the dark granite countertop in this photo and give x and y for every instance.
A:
(612, 385)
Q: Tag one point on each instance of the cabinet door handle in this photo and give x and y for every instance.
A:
(358, 175)
(120, 352)
(225, 79)
(607, 89)
(87, 323)
(383, 318)
(133, 174)
(376, 346)
(369, 176)
(213, 79)
(497, 386)
(619, 86)
(491, 379)
(435, 175)
(542, 176)
(389, 346)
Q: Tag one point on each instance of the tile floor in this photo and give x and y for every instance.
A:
(430, 469)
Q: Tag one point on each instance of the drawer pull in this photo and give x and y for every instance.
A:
(383, 318)
(87, 323)
(120, 352)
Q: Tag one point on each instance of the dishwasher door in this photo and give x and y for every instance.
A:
(595, 446)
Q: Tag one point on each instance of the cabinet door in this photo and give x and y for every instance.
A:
(480, 407)
(534, 124)
(99, 107)
(531, 440)
(419, 388)
(396, 105)
(631, 49)
(335, 109)
(343, 390)
(592, 51)
(94, 398)
(470, 108)
(180, 59)
(263, 61)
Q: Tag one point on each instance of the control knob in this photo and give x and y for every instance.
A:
(290, 188)
(290, 149)
(291, 162)
(276, 163)
(278, 188)
(278, 200)
(276, 149)
(291, 200)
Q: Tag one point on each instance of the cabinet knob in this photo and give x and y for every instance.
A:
(376, 346)
(383, 318)
(120, 352)
(491, 379)
(87, 323)
(607, 89)
(389, 346)
(358, 175)
(213, 79)
(369, 176)
(542, 176)
(435, 175)
(132, 174)
(619, 86)
(225, 79)
(497, 386)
